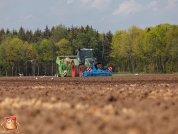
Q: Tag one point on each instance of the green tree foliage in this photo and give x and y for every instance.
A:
(2, 60)
(59, 33)
(140, 52)
(104, 47)
(30, 58)
(63, 47)
(152, 50)
(21, 34)
(47, 33)
(172, 48)
(84, 37)
(14, 54)
(30, 52)
(118, 53)
(46, 49)
(37, 37)
(2, 33)
(29, 36)
(14, 32)
(7, 31)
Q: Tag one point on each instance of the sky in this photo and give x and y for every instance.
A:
(102, 15)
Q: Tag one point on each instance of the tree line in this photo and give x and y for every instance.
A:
(31, 54)
(149, 50)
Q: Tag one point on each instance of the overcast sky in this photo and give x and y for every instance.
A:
(102, 15)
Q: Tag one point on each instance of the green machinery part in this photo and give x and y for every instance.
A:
(65, 65)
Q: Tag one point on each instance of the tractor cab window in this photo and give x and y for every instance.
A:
(85, 54)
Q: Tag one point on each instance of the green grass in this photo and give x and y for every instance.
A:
(132, 74)
(123, 74)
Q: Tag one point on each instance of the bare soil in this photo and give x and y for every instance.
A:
(100, 105)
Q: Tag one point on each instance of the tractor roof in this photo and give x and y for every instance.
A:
(86, 49)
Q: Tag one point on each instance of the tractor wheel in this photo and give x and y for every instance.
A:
(81, 69)
(73, 70)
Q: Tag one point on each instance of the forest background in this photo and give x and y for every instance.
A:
(148, 50)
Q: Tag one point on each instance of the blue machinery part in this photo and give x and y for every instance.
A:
(96, 72)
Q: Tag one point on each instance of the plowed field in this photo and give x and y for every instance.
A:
(103, 105)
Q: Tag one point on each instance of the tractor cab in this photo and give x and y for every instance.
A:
(84, 53)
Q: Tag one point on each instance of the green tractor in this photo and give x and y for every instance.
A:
(81, 65)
